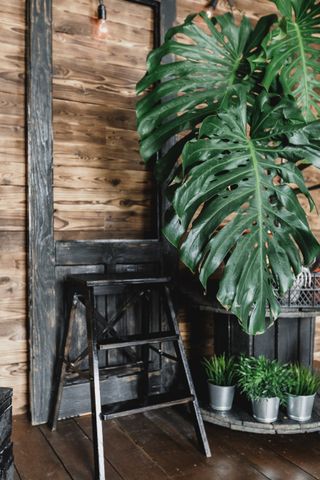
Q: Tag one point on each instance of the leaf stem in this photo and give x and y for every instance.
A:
(255, 162)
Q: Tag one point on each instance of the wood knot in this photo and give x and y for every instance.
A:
(115, 181)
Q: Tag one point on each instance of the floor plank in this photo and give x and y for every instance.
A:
(34, 458)
(75, 450)
(16, 475)
(254, 449)
(302, 450)
(126, 456)
(161, 445)
(181, 459)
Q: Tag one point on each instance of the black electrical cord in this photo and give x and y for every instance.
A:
(213, 3)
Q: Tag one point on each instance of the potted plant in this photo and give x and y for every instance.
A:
(221, 375)
(303, 387)
(223, 104)
(264, 382)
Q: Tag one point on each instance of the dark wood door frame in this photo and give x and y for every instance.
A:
(44, 254)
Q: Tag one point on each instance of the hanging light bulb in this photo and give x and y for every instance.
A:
(211, 6)
(101, 27)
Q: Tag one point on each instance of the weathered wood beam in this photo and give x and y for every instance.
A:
(41, 261)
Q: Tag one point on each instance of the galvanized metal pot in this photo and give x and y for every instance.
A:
(300, 407)
(266, 410)
(221, 398)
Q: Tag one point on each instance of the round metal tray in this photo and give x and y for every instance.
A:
(242, 420)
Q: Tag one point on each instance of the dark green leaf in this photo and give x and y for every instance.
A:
(234, 169)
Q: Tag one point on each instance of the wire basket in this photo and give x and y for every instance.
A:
(305, 293)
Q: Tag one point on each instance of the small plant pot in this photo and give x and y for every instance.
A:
(221, 398)
(300, 407)
(265, 410)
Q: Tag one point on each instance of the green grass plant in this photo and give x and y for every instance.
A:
(263, 378)
(220, 370)
(302, 381)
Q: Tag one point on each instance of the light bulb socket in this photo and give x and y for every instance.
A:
(212, 4)
(102, 12)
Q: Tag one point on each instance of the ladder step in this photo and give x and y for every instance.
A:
(154, 402)
(137, 340)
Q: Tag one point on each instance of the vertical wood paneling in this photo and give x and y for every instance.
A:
(13, 328)
(101, 188)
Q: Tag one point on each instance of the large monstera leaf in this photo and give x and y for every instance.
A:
(208, 60)
(293, 51)
(233, 176)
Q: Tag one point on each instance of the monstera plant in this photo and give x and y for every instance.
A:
(229, 120)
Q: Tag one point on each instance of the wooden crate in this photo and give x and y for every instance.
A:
(6, 462)
(6, 455)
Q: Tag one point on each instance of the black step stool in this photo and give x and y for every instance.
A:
(84, 289)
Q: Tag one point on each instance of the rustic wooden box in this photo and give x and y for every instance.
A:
(6, 463)
(6, 455)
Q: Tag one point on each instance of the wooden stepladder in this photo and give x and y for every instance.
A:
(83, 289)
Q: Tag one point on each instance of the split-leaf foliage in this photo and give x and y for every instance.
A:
(239, 104)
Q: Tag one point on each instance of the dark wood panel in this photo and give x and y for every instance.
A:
(287, 344)
(70, 226)
(265, 344)
(76, 397)
(306, 340)
(40, 198)
(112, 234)
(108, 252)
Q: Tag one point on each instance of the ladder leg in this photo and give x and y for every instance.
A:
(62, 362)
(181, 354)
(97, 429)
(145, 350)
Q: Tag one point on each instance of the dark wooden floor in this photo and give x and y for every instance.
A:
(159, 446)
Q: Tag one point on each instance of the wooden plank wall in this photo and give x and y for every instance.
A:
(13, 343)
(101, 188)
